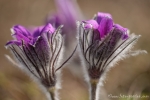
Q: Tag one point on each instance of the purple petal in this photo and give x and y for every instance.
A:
(126, 36)
(21, 30)
(68, 13)
(105, 26)
(90, 24)
(20, 33)
(37, 31)
(42, 48)
(122, 30)
(54, 20)
(48, 28)
(102, 15)
(43, 29)
(18, 43)
(20, 37)
(39, 53)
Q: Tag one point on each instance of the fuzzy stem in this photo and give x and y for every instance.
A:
(51, 91)
(93, 90)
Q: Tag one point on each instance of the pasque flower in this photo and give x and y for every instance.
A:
(102, 43)
(67, 13)
(39, 51)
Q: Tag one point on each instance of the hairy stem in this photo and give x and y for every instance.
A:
(93, 90)
(51, 91)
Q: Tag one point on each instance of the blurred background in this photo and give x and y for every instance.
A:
(130, 76)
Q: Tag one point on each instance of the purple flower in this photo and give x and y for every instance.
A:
(67, 14)
(29, 37)
(103, 43)
(38, 50)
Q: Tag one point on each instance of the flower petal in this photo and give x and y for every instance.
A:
(43, 29)
(21, 30)
(37, 31)
(18, 43)
(54, 20)
(122, 30)
(105, 26)
(48, 28)
(42, 49)
(68, 14)
(20, 33)
(90, 24)
(102, 15)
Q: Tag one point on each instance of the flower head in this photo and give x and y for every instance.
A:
(38, 50)
(67, 14)
(103, 43)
